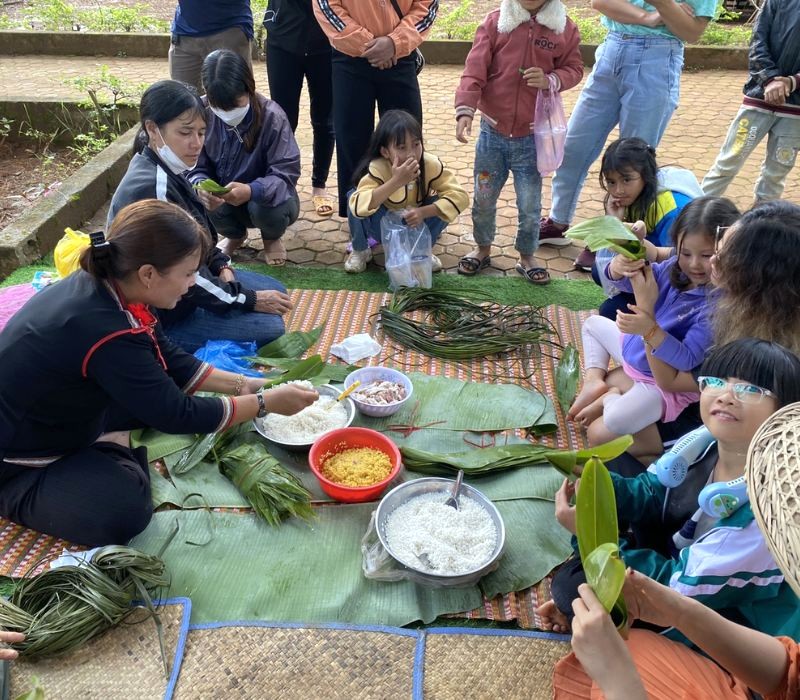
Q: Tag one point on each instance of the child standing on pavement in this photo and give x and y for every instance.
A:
(396, 174)
(515, 51)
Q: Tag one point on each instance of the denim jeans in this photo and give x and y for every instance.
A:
(635, 83)
(747, 130)
(201, 326)
(370, 227)
(233, 222)
(495, 156)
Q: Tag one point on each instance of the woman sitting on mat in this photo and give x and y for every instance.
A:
(717, 554)
(241, 306)
(250, 150)
(650, 666)
(86, 357)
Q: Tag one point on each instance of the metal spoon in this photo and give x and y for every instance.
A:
(452, 499)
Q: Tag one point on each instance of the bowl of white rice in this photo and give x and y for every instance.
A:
(443, 546)
(299, 431)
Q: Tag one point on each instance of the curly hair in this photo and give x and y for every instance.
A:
(758, 271)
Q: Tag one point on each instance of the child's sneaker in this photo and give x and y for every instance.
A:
(371, 242)
(357, 260)
(436, 264)
(585, 260)
(551, 234)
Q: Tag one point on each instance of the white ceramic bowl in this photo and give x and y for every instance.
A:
(367, 375)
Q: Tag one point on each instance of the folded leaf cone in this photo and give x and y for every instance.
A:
(607, 232)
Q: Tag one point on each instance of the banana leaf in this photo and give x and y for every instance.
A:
(305, 369)
(331, 372)
(211, 186)
(196, 453)
(567, 460)
(160, 445)
(607, 232)
(567, 377)
(605, 572)
(291, 344)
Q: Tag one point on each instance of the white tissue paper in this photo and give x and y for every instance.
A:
(70, 558)
(356, 347)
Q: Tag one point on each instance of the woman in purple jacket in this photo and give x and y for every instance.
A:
(251, 150)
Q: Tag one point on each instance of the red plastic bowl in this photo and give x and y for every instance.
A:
(345, 439)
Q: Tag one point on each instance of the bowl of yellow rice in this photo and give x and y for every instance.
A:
(354, 465)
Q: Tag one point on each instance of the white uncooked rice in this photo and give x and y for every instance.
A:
(455, 541)
(307, 425)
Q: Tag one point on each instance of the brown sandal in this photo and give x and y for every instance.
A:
(534, 275)
(323, 205)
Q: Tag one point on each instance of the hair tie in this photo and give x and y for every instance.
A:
(100, 246)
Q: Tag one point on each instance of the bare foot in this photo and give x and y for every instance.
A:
(588, 415)
(553, 620)
(591, 390)
(229, 245)
(274, 253)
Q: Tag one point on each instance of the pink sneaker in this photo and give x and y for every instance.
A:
(585, 260)
(551, 234)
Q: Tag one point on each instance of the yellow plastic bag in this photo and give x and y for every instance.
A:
(68, 251)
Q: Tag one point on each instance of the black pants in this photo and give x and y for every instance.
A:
(285, 73)
(97, 496)
(357, 88)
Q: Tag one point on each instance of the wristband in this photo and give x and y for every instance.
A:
(649, 335)
(262, 407)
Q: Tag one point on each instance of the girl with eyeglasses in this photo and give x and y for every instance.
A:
(722, 562)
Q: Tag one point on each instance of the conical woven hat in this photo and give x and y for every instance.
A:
(773, 483)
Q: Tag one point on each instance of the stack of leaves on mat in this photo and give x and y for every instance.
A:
(607, 232)
(459, 327)
(62, 608)
(598, 539)
(489, 460)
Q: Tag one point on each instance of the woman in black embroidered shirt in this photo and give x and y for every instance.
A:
(86, 352)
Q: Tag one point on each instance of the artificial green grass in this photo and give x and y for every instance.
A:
(573, 294)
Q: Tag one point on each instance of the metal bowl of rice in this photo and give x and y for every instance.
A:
(405, 539)
(298, 432)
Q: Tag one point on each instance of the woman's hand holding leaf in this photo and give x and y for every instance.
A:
(10, 638)
(288, 399)
(208, 200)
(565, 511)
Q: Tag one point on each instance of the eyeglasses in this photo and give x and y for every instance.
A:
(718, 236)
(746, 393)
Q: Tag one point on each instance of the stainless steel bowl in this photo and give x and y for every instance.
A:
(324, 390)
(433, 484)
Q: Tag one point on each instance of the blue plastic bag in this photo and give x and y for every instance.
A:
(229, 356)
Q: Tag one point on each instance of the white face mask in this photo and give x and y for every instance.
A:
(170, 158)
(232, 117)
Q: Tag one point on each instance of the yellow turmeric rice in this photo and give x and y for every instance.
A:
(357, 466)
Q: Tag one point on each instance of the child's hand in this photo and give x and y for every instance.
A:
(614, 208)
(645, 289)
(636, 322)
(406, 171)
(536, 78)
(622, 266)
(565, 512)
(413, 217)
(639, 229)
(463, 128)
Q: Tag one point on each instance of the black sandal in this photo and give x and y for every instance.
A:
(472, 266)
(534, 275)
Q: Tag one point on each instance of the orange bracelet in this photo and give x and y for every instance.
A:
(647, 336)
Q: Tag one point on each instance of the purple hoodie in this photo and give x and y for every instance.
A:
(683, 316)
(273, 167)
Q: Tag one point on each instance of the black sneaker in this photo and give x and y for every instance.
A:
(585, 260)
(551, 234)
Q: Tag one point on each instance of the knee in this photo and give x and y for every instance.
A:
(615, 420)
(120, 518)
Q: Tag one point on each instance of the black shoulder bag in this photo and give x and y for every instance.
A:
(419, 59)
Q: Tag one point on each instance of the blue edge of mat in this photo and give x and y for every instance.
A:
(419, 635)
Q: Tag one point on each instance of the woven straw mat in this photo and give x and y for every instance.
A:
(773, 483)
(123, 663)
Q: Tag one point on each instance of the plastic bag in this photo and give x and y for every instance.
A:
(549, 129)
(229, 356)
(602, 258)
(67, 254)
(408, 252)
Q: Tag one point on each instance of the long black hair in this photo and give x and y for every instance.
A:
(633, 154)
(226, 77)
(761, 362)
(393, 128)
(700, 216)
(164, 101)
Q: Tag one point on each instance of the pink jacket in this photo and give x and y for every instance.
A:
(492, 81)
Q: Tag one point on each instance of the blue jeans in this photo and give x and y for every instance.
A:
(193, 331)
(370, 227)
(495, 156)
(635, 83)
(233, 222)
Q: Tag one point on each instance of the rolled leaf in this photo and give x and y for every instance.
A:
(292, 344)
(607, 232)
(567, 374)
(196, 453)
(605, 573)
(212, 187)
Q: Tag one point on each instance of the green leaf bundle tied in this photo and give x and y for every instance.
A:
(608, 232)
(212, 187)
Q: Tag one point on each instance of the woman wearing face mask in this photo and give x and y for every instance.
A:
(251, 150)
(241, 306)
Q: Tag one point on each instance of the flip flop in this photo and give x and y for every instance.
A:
(470, 266)
(534, 275)
(323, 205)
(275, 258)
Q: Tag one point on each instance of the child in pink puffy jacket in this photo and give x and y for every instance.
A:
(515, 51)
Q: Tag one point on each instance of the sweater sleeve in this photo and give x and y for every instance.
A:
(282, 155)
(360, 199)
(684, 355)
(762, 63)
(476, 71)
(569, 66)
(340, 28)
(211, 293)
(453, 198)
(414, 26)
(639, 498)
(186, 370)
(130, 374)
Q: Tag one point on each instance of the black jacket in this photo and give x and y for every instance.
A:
(76, 351)
(149, 178)
(775, 48)
(291, 26)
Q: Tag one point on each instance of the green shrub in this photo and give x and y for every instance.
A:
(59, 15)
(456, 24)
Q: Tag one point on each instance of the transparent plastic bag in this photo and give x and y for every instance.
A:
(408, 252)
(549, 129)
(67, 255)
(602, 258)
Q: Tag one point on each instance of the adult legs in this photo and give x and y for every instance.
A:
(398, 88)
(783, 143)
(231, 222)
(97, 496)
(285, 77)
(320, 91)
(273, 221)
(187, 54)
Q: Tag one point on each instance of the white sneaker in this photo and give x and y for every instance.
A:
(436, 264)
(357, 260)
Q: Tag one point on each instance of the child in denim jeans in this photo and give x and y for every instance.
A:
(515, 50)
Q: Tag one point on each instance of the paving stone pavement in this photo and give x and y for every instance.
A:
(709, 102)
